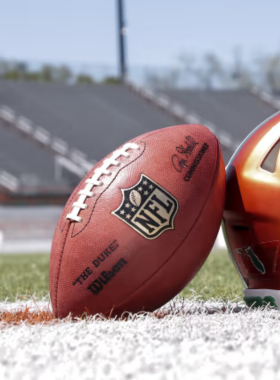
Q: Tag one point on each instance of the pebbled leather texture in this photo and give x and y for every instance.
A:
(138, 273)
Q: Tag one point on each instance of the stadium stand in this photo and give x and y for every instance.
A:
(13, 148)
(51, 134)
(235, 113)
(93, 119)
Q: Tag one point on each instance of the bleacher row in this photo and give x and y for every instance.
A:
(51, 134)
(91, 120)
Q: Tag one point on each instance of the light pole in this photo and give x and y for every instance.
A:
(121, 37)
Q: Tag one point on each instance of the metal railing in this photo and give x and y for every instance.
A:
(70, 159)
(180, 113)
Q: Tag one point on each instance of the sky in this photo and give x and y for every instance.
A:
(158, 31)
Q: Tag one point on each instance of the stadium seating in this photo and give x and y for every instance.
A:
(51, 134)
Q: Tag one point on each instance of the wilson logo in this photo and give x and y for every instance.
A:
(147, 208)
(105, 277)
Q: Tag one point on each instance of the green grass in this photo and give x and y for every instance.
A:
(23, 275)
(216, 279)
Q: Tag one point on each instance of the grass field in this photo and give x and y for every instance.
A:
(23, 275)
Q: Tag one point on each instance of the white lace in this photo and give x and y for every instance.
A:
(94, 181)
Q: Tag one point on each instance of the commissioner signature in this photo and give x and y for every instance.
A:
(178, 162)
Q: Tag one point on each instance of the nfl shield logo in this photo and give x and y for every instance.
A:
(147, 208)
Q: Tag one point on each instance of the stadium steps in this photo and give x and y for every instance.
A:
(237, 112)
(93, 119)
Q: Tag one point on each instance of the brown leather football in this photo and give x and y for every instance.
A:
(140, 225)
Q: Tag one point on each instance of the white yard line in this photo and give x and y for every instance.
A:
(21, 305)
(178, 305)
(210, 341)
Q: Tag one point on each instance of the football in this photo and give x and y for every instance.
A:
(251, 220)
(140, 225)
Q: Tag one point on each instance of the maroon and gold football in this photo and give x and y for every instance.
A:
(140, 225)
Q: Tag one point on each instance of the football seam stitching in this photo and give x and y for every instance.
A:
(73, 236)
(88, 175)
(72, 196)
(133, 140)
(64, 212)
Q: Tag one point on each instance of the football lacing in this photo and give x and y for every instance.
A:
(94, 181)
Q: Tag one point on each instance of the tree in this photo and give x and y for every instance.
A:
(212, 72)
(63, 74)
(168, 79)
(46, 73)
(3, 67)
(111, 80)
(188, 69)
(207, 72)
(84, 78)
(269, 70)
